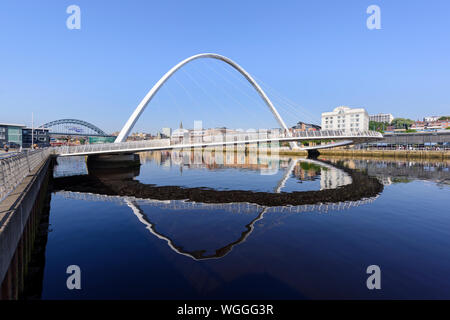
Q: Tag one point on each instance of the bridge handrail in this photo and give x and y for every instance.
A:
(111, 146)
(231, 206)
(14, 168)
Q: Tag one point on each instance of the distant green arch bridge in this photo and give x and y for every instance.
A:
(74, 127)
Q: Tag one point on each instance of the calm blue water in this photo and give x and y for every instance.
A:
(131, 248)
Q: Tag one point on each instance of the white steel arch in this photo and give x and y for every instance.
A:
(141, 107)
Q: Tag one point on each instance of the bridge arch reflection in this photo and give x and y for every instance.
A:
(124, 190)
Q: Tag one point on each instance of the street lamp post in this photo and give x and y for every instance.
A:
(32, 130)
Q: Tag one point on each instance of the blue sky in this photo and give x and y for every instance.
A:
(317, 54)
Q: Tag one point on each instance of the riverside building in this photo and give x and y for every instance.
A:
(382, 117)
(346, 118)
(11, 134)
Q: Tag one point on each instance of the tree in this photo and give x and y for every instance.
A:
(378, 126)
(402, 123)
(444, 118)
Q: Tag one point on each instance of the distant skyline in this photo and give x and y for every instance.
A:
(309, 56)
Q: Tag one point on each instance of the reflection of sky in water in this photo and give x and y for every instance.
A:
(214, 227)
(288, 255)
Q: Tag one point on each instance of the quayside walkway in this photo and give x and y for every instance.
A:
(16, 166)
(23, 191)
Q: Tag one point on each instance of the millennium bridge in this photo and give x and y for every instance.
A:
(337, 137)
(24, 176)
(13, 169)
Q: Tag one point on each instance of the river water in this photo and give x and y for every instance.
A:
(262, 228)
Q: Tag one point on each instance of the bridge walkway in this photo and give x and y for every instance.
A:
(337, 138)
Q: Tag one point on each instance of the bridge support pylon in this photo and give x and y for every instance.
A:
(313, 153)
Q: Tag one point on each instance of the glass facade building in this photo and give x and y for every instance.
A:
(41, 137)
(16, 136)
(11, 134)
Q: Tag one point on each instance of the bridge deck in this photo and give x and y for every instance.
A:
(336, 138)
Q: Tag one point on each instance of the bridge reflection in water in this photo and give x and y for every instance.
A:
(340, 189)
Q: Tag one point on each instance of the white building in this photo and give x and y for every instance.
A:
(382, 117)
(180, 133)
(431, 118)
(345, 118)
(166, 132)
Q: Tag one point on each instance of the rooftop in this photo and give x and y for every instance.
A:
(12, 125)
(344, 109)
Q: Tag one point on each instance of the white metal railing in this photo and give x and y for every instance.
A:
(232, 206)
(110, 147)
(338, 134)
(15, 167)
(264, 135)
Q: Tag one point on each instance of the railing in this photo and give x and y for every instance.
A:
(234, 207)
(267, 135)
(15, 167)
(338, 133)
(256, 136)
(111, 147)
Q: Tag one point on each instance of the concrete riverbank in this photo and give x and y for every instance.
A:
(400, 154)
(20, 218)
(396, 154)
